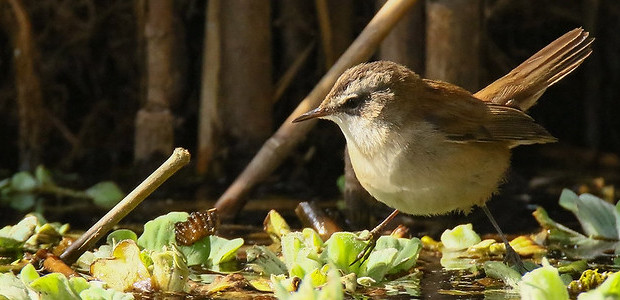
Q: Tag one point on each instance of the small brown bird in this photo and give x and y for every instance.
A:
(427, 147)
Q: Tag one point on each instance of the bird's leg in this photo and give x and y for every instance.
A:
(375, 233)
(511, 257)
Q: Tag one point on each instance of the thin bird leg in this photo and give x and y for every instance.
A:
(375, 233)
(511, 258)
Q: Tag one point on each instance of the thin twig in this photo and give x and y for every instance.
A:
(285, 81)
(179, 158)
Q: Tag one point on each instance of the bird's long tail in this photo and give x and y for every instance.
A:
(526, 83)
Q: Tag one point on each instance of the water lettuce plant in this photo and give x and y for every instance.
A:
(24, 190)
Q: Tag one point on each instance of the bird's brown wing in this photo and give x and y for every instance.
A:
(464, 118)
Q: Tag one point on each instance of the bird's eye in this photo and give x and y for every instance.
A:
(352, 102)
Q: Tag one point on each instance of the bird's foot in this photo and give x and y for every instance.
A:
(371, 238)
(512, 259)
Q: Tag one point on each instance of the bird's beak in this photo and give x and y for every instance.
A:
(315, 113)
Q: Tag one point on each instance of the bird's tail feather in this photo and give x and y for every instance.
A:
(522, 86)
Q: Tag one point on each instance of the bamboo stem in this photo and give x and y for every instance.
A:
(322, 13)
(179, 158)
(210, 124)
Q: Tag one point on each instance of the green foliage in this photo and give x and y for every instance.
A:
(121, 262)
(121, 234)
(222, 250)
(304, 255)
(543, 283)
(331, 287)
(29, 285)
(461, 237)
(264, 261)
(105, 194)
(31, 233)
(275, 226)
(340, 183)
(24, 190)
(499, 270)
(599, 220)
(170, 271)
(209, 251)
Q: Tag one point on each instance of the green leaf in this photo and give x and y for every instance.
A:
(44, 176)
(21, 231)
(461, 237)
(23, 182)
(97, 292)
(291, 243)
(46, 234)
(300, 253)
(408, 250)
(341, 183)
(12, 287)
(22, 201)
(582, 247)
(275, 226)
(557, 231)
(596, 216)
(223, 250)
(9, 245)
(378, 263)
(391, 255)
(105, 194)
(78, 284)
(87, 259)
(341, 249)
(170, 271)
(54, 286)
(28, 274)
(499, 270)
(574, 268)
(312, 239)
(5, 184)
(160, 232)
(317, 277)
(332, 289)
(119, 235)
(543, 283)
(263, 261)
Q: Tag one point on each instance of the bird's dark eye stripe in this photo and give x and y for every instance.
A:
(352, 101)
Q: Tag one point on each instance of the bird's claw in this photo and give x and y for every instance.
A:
(513, 259)
(365, 253)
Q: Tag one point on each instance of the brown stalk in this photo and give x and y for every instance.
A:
(209, 122)
(28, 85)
(179, 158)
(313, 216)
(322, 13)
(285, 81)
